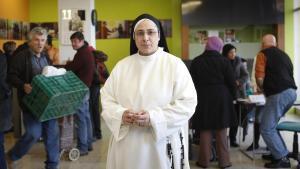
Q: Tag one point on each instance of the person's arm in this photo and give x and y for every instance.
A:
(3, 73)
(253, 80)
(229, 78)
(56, 56)
(103, 72)
(193, 72)
(76, 64)
(168, 119)
(244, 75)
(112, 111)
(260, 69)
(16, 70)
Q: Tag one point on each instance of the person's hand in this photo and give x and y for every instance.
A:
(127, 117)
(27, 88)
(237, 83)
(259, 90)
(142, 118)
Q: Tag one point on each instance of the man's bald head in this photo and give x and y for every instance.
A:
(268, 40)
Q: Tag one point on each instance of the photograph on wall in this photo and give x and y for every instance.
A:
(3, 28)
(201, 36)
(77, 21)
(73, 20)
(197, 35)
(111, 29)
(229, 35)
(51, 27)
(167, 27)
(121, 29)
(128, 24)
(25, 30)
(14, 30)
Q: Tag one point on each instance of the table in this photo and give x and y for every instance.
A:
(242, 103)
(248, 102)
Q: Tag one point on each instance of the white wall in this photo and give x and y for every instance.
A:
(297, 46)
(66, 51)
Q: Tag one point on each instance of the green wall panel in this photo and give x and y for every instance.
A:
(114, 10)
(289, 27)
(128, 10)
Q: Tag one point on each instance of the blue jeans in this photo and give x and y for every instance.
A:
(276, 106)
(2, 152)
(33, 131)
(84, 126)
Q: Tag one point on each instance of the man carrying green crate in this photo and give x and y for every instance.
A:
(83, 66)
(25, 65)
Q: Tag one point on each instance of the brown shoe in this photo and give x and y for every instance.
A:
(200, 165)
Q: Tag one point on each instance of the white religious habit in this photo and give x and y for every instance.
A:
(161, 85)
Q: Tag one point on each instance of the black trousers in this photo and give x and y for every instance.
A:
(233, 130)
(94, 110)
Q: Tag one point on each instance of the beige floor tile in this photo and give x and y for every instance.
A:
(97, 158)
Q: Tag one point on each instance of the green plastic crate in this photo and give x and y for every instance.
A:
(56, 96)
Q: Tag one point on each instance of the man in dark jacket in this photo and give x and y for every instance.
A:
(25, 65)
(274, 76)
(5, 114)
(83, 66)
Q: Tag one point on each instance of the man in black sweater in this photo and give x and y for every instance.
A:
(274, 77)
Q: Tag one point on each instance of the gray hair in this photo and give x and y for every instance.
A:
(37, 31)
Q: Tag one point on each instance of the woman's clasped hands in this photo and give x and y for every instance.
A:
(139, 118)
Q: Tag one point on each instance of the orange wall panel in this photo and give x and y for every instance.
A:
(17, 10)
(14, 9)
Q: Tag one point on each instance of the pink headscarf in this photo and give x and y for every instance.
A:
(214, 43)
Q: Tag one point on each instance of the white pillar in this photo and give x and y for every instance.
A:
(74, 15)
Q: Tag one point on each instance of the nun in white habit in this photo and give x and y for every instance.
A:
(147, 102)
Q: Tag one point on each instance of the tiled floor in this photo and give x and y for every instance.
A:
(97, 158)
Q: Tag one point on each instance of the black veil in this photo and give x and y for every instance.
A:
(162, 42)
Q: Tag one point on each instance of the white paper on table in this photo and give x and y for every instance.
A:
(259, 99)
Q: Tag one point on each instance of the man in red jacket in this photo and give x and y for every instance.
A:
(82, 65)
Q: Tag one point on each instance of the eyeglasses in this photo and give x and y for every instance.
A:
(150, 33)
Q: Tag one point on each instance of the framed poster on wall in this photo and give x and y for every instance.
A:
(3, 28)
(73, 20)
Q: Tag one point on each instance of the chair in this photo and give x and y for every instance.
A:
(293, 127)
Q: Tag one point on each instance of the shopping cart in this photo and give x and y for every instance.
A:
(67, 150)
(58, 97)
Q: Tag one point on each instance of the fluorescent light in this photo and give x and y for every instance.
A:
(190, 6)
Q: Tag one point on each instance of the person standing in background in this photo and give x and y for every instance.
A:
(274, 77)
(241, 76)
(215, 84)
(9, 48)
(52, 51)
(26, 64)
(99, 78)
(5, 110)
(83, 66)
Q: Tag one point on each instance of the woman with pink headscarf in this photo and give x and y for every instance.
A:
(215, 85)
